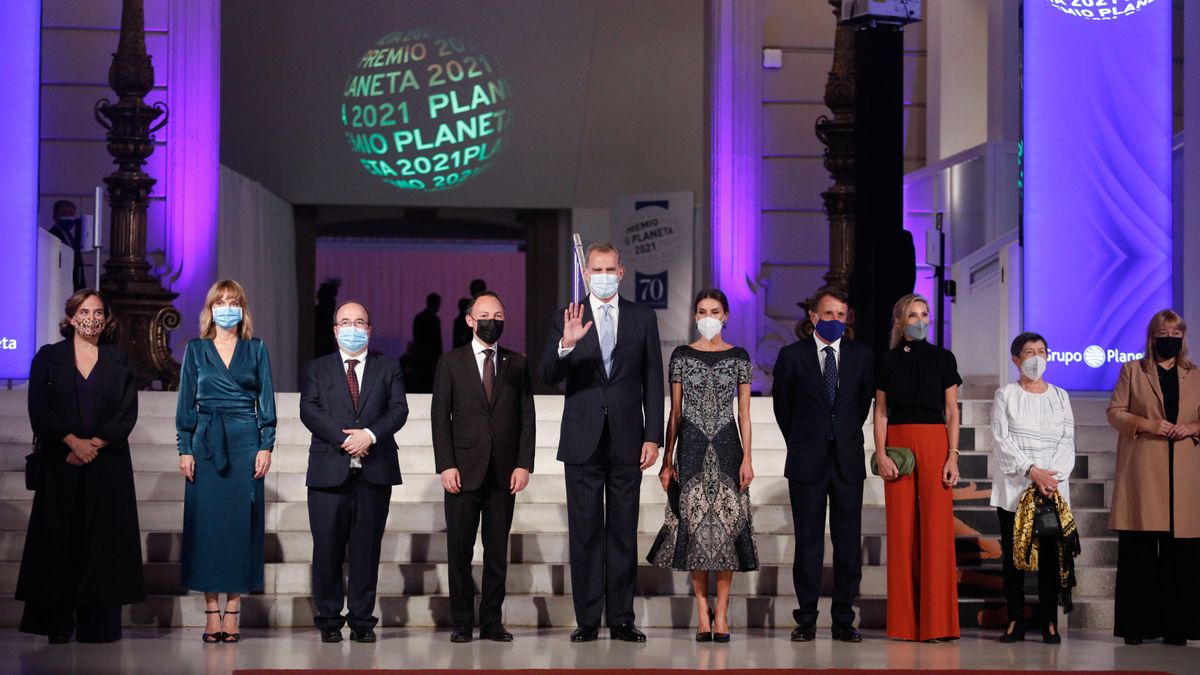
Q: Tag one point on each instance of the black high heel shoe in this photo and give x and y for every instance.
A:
(718, 637)
(231, 637)
(1051, 638)
(705, 636)
(212, 638)
(1015, 633)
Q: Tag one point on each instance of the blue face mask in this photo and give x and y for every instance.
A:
(227, 317)
(604, 286)
(830, 331)
(352, 338)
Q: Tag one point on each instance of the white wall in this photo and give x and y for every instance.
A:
(958, 73)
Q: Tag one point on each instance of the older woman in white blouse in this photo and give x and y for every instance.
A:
(1034, 431)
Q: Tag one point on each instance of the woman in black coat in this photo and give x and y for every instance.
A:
(83, 555)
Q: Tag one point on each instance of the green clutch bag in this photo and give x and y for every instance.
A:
(903, 458)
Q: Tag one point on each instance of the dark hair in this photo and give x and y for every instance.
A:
(484, 294)
(711, 294)
(76, 301)
(601, 247)
(477, 286)
(828, 291)
(1019, 342)
(61, 204)
(352, 301)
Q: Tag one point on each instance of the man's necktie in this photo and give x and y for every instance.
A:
(352, 381)
(608, 338)
(489, 373)
(831, 375)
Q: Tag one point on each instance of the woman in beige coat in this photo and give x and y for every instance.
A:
(1156, 499)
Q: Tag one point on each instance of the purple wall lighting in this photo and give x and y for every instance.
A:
(20, 53)
(1098, 249)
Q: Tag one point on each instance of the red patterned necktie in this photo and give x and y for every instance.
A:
(489, 373)
(352, 380)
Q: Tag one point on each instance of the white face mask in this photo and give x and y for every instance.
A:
(604, 286)
(1033, 367)
(709, 327)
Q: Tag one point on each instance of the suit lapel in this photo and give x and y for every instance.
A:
(64, 380)
(1151, 373)
(808, 361)
(474, 376)
(370, 374)
(592, 339)
(338, 370)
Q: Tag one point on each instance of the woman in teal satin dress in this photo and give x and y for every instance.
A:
(225, 419)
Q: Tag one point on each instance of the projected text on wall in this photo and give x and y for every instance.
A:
(424, 110)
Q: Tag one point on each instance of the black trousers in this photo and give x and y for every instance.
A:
(603, 497)
(463, 512)
(1157, 589)
(809, 500)
(353, 513)
(1014, 579)
(89, 623)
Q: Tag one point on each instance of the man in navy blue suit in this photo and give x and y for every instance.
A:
(353, 403)
(612, 428)
(822, 395)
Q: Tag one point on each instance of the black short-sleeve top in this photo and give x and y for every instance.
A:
(915, 376)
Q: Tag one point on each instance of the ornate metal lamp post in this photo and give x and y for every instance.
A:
(136, 294)
(838, 136)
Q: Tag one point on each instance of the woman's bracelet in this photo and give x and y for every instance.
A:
(954, 451)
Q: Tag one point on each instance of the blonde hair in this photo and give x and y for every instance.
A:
(208, 329)
(900, 316)
(1157, 323)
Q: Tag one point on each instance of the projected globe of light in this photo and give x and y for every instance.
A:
(424, 110)
(1099, 10)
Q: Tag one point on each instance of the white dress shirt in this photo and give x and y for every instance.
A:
(359, 369)
(1030, 430)
(597, 314)
(837, 352)
(480, 357)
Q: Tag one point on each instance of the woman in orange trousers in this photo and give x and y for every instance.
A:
(916, 407)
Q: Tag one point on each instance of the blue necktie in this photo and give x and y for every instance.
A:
(831, 375)
(608, 338)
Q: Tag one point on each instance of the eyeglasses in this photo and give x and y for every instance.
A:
(357, 323)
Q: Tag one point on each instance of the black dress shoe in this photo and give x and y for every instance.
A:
(804, 633)
(846, 633)
(1051, 638)
(1175, 642)
(495, 633)
(585, 634)
(461, 633)
(331, 635)
(627, 633)
(367, 635)
(1133, 641)
(1014, 634)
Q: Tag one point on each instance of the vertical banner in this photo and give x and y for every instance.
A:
(1097, 221)
(20, 54)
(654, 233)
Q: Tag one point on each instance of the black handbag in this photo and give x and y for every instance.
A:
(1045, 518)
(33, 465)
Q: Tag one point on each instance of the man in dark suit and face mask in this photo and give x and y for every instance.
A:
(483, 444)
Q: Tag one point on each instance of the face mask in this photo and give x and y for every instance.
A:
(709, 327)
(604, 286)
(90, 327)
(1033, 367)
(489, 330)
(227, 317)
(918, 330)
(830, 331)
(1167, 347)
(352, 338)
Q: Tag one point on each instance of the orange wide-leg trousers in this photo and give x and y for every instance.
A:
(922, 576)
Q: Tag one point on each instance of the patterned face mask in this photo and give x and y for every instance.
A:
(89, 327)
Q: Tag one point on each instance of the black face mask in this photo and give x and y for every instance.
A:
(1167, 347)
(489, 330)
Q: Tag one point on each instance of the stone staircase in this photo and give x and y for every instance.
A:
(413, 583)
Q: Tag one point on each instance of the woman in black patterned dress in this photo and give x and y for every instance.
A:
(708, 527)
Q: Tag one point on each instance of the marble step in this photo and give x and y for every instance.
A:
(526, 611)
(555, 579)
(972, 551)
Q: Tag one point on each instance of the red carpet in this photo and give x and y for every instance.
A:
(666, 671)
(679, 671)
